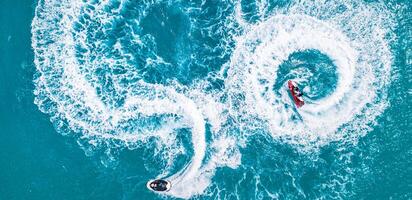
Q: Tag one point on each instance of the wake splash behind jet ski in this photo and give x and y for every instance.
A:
(296, 93)
(159, 185)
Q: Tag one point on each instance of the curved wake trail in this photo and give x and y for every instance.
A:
(64, 90)
(259, 97)
(99, 76)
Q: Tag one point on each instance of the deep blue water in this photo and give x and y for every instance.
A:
(98, 97)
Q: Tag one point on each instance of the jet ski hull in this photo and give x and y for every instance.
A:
(297, 100)
(165, 189)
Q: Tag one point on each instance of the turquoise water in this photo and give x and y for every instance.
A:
(98, 97)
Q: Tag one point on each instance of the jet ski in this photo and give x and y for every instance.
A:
(296, 93)
(159, 185)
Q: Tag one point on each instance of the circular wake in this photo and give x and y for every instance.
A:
(265, 59)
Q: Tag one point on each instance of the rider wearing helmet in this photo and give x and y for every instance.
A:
(298, 92)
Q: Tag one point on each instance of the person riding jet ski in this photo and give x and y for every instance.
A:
(159, 185)
(298, 92)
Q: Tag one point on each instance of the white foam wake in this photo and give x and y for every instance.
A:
(362, 63)
(89, 84)
(67, 90)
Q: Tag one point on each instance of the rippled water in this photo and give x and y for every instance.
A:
(197, 91)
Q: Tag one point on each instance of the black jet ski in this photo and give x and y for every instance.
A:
(159, 185)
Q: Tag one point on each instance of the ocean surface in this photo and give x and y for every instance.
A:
(99, 97)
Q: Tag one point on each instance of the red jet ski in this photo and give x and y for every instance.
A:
(296, 93)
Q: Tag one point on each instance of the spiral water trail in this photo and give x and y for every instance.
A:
(362, 63)
(116, 111)
(100, 77)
